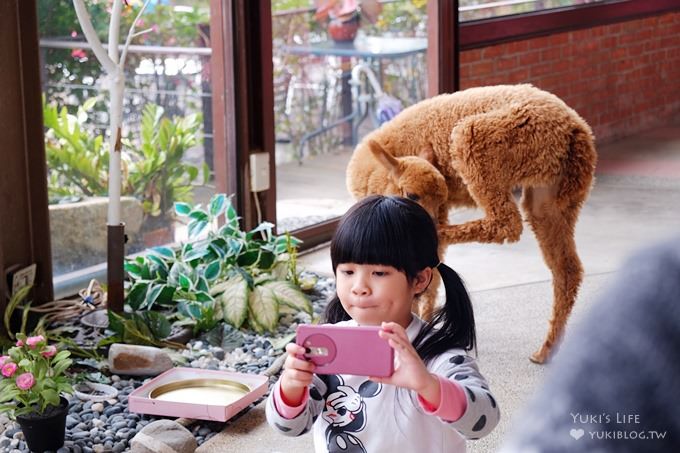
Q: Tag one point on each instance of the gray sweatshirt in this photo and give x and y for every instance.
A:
(615, 383)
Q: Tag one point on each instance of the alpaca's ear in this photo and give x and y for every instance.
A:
(427, 154)
(386, 159)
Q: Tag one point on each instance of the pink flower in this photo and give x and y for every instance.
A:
(78, 53)
(50, 351)
(8, 369)
(20, 343)
(32, 342)
(25, 381)
(3, 359)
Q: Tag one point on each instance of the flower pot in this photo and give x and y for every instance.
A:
(344, 30)
(45, 431)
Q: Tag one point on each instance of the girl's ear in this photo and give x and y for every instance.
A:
(422, 280)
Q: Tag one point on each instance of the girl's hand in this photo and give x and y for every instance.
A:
(297, 375)
(410, 371)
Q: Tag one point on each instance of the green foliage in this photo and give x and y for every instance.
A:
(17, 298)
(78, 162)
(147, 328)
(225, 273)
(158, 176)
(154, 172)
(283, 5)
(34, 376)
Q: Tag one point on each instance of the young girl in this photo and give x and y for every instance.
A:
(384, 254)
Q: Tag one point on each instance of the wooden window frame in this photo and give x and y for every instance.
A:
(497, 30)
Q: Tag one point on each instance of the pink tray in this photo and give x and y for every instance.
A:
(139, 400)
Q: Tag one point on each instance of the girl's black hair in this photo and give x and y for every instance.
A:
(398, 232)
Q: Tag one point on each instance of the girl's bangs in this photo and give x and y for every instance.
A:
(369, 236)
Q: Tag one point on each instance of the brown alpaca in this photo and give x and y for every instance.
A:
(472, 148)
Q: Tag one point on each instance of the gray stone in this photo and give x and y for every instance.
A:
(167, 434)
(71, 421)
(119, 447)
(109, 411)
(138, 360)
(98, 407)
(119, 425)
(63, 450)
(4, 442)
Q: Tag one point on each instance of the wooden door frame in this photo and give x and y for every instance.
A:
(25, 231)
(243, 102)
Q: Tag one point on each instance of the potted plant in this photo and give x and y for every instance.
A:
(31, 389)
(344, 16)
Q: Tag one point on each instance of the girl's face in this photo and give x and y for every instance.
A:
(375, 293)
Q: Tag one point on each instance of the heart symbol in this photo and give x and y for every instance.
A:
(576, 433)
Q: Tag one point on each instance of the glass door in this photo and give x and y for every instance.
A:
(341, 68)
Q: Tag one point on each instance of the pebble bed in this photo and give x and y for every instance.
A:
(109, 427)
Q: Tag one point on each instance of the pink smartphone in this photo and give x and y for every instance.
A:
(346, 350)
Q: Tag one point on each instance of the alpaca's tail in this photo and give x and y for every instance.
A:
(579, 167)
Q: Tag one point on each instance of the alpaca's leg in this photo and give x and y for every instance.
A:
(426, 304)
(553, 223)
(502, 221)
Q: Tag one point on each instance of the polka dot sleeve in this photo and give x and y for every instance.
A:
(482, 413)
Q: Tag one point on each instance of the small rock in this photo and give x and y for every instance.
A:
(18, 435)
(109, 411)
(138, 360)
(71, 421)
(98, 407)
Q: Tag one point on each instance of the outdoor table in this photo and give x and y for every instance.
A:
(372, 50)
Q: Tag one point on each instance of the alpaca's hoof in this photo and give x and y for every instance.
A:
(539, 357)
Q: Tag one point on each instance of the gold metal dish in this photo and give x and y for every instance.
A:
(219, 392)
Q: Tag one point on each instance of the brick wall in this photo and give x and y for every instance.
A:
(622, 78)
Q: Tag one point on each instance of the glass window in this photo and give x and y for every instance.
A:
(339, 72)
(167, 140)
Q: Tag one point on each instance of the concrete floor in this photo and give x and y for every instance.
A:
(634, 203)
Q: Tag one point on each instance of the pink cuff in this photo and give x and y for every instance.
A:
(452, 403)
(284, 410)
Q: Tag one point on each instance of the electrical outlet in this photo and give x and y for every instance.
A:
(23, 277)
(259, 172)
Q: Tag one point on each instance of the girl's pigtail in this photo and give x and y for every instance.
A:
(453, 325)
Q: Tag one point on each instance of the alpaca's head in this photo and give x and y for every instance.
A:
(415, 177)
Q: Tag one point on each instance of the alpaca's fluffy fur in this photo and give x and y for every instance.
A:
(472, 148)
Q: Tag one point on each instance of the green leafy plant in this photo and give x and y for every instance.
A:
(78, 161)
(224, 273)
(146, 328)
(154, 170)
(17, 298)
(158, 175)
(33, 376)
